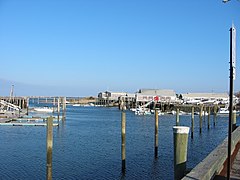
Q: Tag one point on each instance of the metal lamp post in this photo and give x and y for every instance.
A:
(232, 77)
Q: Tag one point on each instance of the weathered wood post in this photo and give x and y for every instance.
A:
(58, 108)
(215, 115)
(204, 114)
(200, 119)
(209, 112)
(19, 103)
(23, 103)
(63, 108)
(177, 117)
(192, 123)
(123, 141)
(156, 133)
(27, 105)
(234, 122)
(180, 135)
(49, 147)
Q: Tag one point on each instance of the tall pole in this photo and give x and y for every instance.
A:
(156, 133)
(123, 141)
(232, 77)
(192, 122)
(49, 147)
(177, 117)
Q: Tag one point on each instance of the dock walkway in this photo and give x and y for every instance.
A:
(214, 166)
(235, 170)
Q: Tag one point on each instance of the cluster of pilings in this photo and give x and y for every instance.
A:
(180, 145)
(180, 134)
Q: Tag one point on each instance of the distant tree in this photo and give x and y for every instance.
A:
(237, 94)
(91, 98)
(180, 96)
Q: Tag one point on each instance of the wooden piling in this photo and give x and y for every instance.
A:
(123, 141)
(23, 103)
(177, 117)
(180, 135)
(63, 107)
(156, 134)
(58, 108)
(192, 122)
(215, 115)
(49, 147)
(209, 112)
(200, 119)
(204, 114)
(234, 122)
(27, 105)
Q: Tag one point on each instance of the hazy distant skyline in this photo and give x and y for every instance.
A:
(79, 48)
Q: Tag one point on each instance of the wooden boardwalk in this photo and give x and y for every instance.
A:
(235, 170)
(26, 124)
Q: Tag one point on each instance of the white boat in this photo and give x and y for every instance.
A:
(223, 111)
(160, 113)
(83, 105)
(182, 113)
(88, 105)
(43, 109)
(171, 112)
(76, 105)
(142, 111)
(204, 113)
(133, 109)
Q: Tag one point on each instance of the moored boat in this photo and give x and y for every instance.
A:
(43, 109)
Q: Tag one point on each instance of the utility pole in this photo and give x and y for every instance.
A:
(11, 94)
(232, 78)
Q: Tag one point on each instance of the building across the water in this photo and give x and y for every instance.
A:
(143, 96)
(205, 98)
(160, 95)
(109, 98)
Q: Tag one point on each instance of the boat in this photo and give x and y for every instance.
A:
(133, 109)
(172, 112)
(223, 111)
(142, 111)
(43, 109)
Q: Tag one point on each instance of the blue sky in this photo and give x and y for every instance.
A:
(79, 47)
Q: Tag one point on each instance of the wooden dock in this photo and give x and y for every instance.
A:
(26, 124)
(28, 121)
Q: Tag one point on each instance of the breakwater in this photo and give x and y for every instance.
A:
(87, 145)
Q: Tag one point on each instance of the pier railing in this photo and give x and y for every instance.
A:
(213, 164)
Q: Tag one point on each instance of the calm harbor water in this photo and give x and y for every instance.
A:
(88, 146)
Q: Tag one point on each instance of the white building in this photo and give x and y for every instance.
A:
(205, 98)
(161, 95)
(112, 96)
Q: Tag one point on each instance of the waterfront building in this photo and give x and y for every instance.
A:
(111, 98)
(205, 98)
(160, 95)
